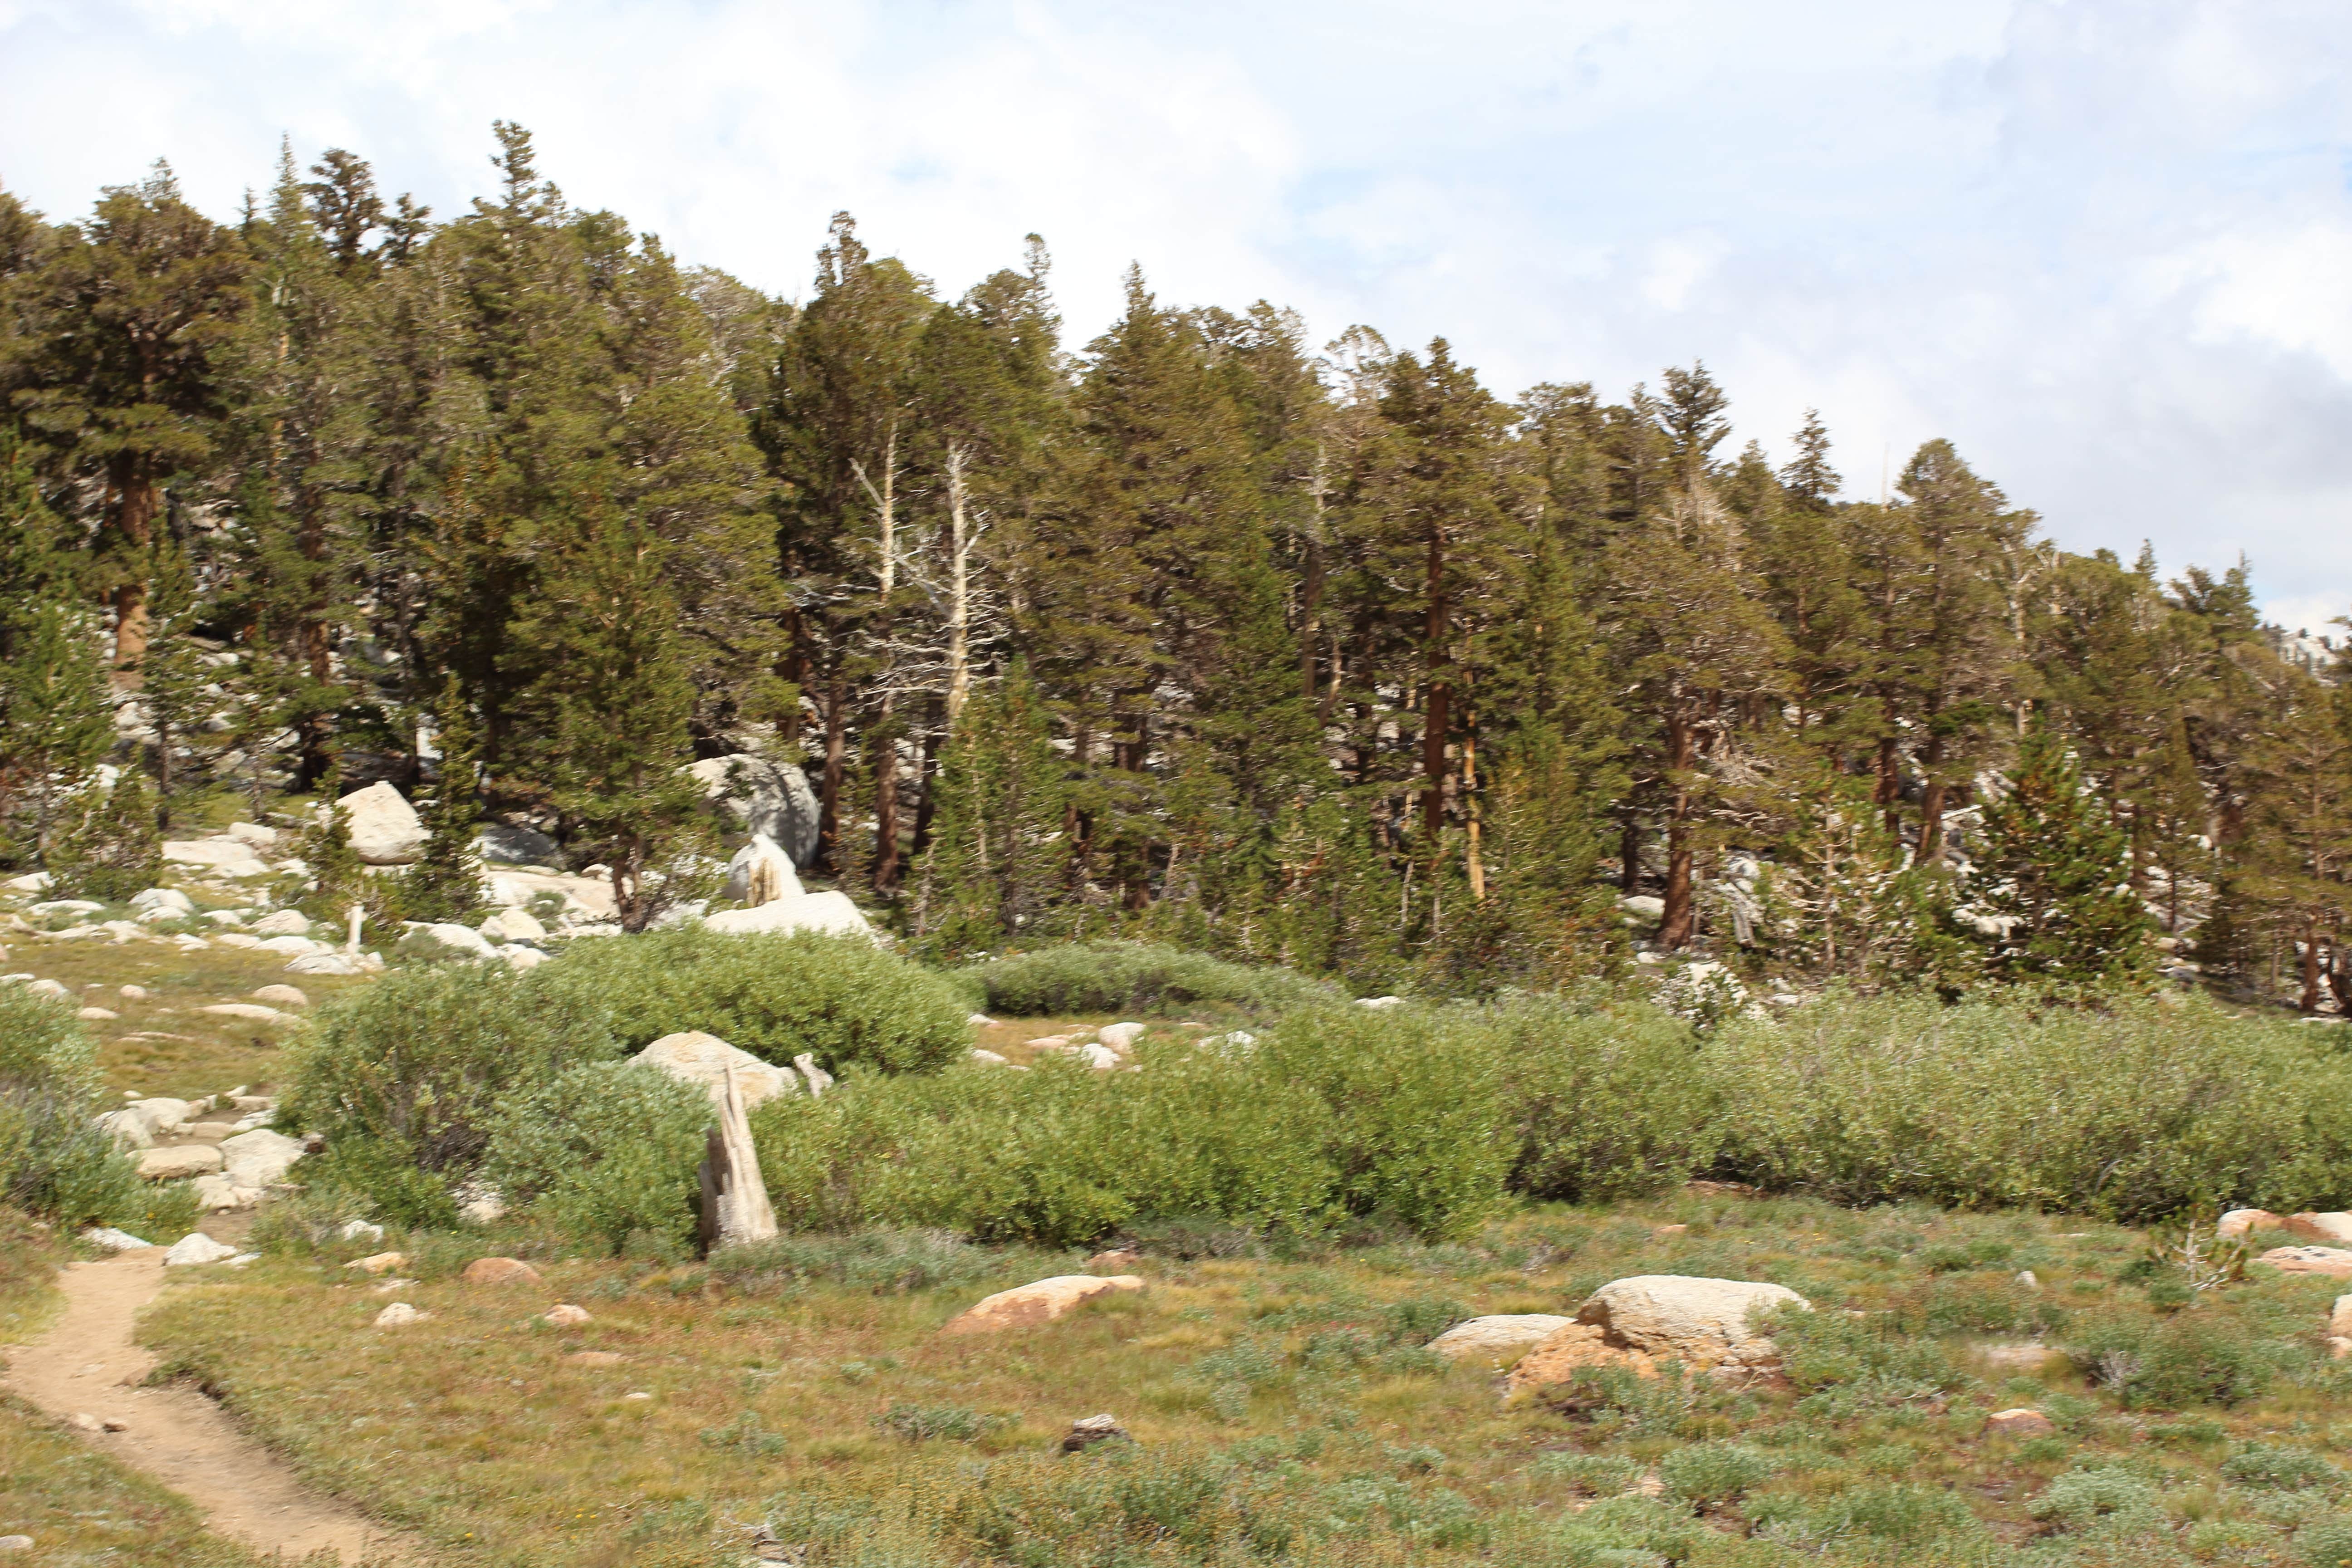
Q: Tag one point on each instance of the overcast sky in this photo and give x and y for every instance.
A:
(2105, 248)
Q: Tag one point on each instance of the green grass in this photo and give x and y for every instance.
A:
(1279, 1406)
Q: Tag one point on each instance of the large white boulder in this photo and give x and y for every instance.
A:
(768, 797)
(384, 828)
(197, 1247)
(179, 1163)
(260, 1158)
(694, 1057)
(801, 911)
(159, 1113)
(591, 896)
(761, 873)
(1700, 1323)
(282, 923)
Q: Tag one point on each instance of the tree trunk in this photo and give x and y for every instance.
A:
(886, 800)
(960, 543)
(735, 1206)
(1477, 868)
(134, 522)
(1680, 917)
(1888, 794)
(829, 807)
(927, 800)
(2309, 1000)
(1931, 805)
(1432, 732)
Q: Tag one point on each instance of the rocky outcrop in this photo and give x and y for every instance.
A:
(1555, 1359)
(764, 798)
(761, 873)
(2333, 1261)
(830, 912)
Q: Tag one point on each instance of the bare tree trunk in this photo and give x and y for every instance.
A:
(135, 504)
(959, 543)
(735, 1206)
(1680, 918)
(829, 806)
(1433, 720)
(884, 750)
(1931, 805)
(1478, 867)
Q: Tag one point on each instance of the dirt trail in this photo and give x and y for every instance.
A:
(88, 1364)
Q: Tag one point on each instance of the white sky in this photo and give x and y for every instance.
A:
(2105, 246)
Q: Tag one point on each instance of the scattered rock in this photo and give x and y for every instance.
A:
(253, 833)
(381, 1263)
(444, 939)
(159, 1113)
(127, 1127)
(1102, 1058)
(162, 904)
(197, 1247)
(399, 1313)
(761, 873)
(2322, 1228)
(1090, 1430)
(1024, 1306)
(113, 1240)
(83, 1421)
(1555, 1359)
(1667, 1230)
(981, 1021)
(95, 1015)
(694, 1057)
(211, 1131)
(566, 1316)
(132, 993)
(1699, 1323)
(819, 1080)
(49, 988)
(2244, 1221)
(2338, 1347)
(179, 1165)
(1050, 1043)
(360, 1230)
(979, 1055)
(1117, 1261)
(1379, 1002)
(253, 1010)
(501, 1271)
(384, 828)
(2027, 1359)
(2339, 1320)
(282, 996)
(513, 925)
(2028, 1280)
(2333, 1261)
(1121, 1037)
(221, 1195)
(830, 912)
(1497, 1337)
(2022, 1422)
(518, 956)
(260, 1158)
(596, 1358)
(224, 856)
(17, 1543)
(765, 797)
(284, 922)
(67, 907)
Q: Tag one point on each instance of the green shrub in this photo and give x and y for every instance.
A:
(1710, 1474)
(601, 1150)
(922, 1423)
(1905, 1515)
(2105, 1497)
(53, 1162)
(839, 998)
(2212, 1356)
(1594, 1475)
(1135, 978)
(1863, 1100)
(2326, 1542)
(2282, 1470)
(885, 1262)
(403, 1075)
(1605, 1104)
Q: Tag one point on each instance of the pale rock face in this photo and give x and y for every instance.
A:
(1120, 1036)
(764, 798)
(282, 996)
(518, 956)
(511, 925)
(159, 1113)
(761, 873)
(1025, 1306)
(67, 907)
(2333, 1261)
(197, 1247)
(694, 1057)
(447, 939)
(224, 917)
(1102, 1058)
(333, 963)
(831, 912)
(293, 946)
(284, 922)
(384, 828)
(260, 1158)
(819, 1080)
(567, 1315)
(52, 989)
(1499, 1337)
(1555, 1358)
(501, 1271)
(132, 993)
(163, 904)
(128, 1129)
(2326, 1228)
(95, 1015)
(224, 856)
(990, 1057)
(2022, 1422)
(398, 1315)
(253, 833)
(222, 1195)
(1700, 1323)
(2245, 1222)
(114, 1240)
(380, 1263)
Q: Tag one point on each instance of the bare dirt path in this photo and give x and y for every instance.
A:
(89, 1364)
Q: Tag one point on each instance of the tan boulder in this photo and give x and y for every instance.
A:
(1120, 1261)
(1555, 1358)
(501, 1271)
(1699, 1323)
(2333, 1261)
(2339, 1320)
(1498, 1337)
(566, 1316)
(2331, 1227)
(399, 1314)
(2245, 1222)
(1024, 1306)
(2020, 1423)
(704, 1060)
(380, 1263)
(177, 1164)
(283, 996)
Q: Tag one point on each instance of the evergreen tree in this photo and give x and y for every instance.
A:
(105, 845)
(445, 882)
(989, 877)
(2055, 878)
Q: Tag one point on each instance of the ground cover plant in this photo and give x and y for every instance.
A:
(1284, 1408)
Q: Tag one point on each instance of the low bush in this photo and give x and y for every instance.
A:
(54, 1163)
(405, 1076)
(841, 999)
(1604, 1104)
(884, 1262)
(601, 1151)
(1138, 978)
(1711, 1475)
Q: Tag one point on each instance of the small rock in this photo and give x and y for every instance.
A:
(596, 1358)
(282, 996)
(2025, 1278)
(1700, 1323)
(1025, 1306)
(83, 1421)
(380, 1263)
(636, 1393)
(819, 1080)
(261, 1158)
(398, 1313)
(2338, 1347)
(1379, 1002)
(284, 922)
(253, 1010)
(1093, 1430)
(2021, 1358)
(501, 1271)
(48, 988)
(2244, 1221)
(1121, 1037)
(1666, 1230)
(95, 1015)
(114, 1240)
(221, 1195)
(360, 1230)
(384, 828)
(1118, 1260)
(1049, 1042)
(394, 1286)
(197, 1247)
(132, 993)
(17, 1543)
(211, 1131)
(567, 1315)
(179, 1165)
(2022, 1422)
(694, 1057)
(1498, 1336)
(2339, 1320)
(253, 833)
(981, 1021)
(990, 1057)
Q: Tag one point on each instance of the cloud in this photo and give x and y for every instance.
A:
(2096, 243)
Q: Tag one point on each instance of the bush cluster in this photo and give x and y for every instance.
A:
(1139, 979)
(54, 1163)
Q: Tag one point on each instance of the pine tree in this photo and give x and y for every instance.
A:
(106, 844)
(989, 876)
(2055, 878)
(445, 882)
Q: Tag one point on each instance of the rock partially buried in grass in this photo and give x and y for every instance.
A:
(1498, 1336)
(178, 1164)
(197, 1247)
(381, 1263)
(282, 996)
(2245, 1222)
(1120, 1261)
(501, 1271)
(2339, 1317)
(1703, 1324)
(596, 1358)
(1085, 1433)
(567, 1315)
(399, 1314)
(1025, 1306)
(2333, 1261)
(2022, 1422)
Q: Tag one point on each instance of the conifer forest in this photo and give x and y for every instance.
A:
(1205, 631)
